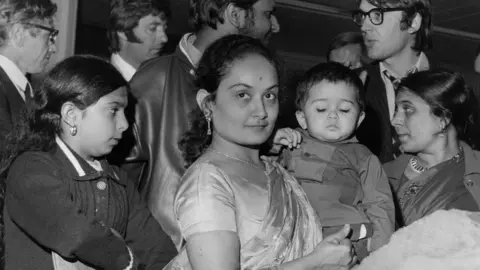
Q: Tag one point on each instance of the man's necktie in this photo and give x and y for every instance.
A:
(395, 81)
(28, 93)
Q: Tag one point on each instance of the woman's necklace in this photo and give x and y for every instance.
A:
(416, 167)
(241, 160)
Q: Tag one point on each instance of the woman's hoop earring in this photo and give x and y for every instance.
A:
(209, 127)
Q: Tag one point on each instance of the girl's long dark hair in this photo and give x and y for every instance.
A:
(214, 65)
(450, 98)
(80, 79)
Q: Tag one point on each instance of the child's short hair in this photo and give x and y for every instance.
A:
(330, 72)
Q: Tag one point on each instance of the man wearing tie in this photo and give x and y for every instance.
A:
(27, 40)
(396, 33)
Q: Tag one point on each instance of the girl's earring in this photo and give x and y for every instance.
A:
(73, 130)
(209, 127)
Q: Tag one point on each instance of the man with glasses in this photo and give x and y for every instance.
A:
(136, 32)
(396, 33)
(27, 40)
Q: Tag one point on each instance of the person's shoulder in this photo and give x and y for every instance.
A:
(392, 168)
(32, 163)
(158, 62)
(204, 174)
(357, 154)
(152, 76)
(204, 166)
(153, 67)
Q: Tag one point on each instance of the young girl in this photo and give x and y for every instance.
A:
(66, 207)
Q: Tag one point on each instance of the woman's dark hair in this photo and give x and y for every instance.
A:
(80, 79)
(448, 97)
(214, 65)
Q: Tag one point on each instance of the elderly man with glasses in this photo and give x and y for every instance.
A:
(27, 40)
(395, 34)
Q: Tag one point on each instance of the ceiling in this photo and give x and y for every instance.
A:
(461, 15)
(307, 26)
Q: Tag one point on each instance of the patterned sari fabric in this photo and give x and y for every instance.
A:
(290, 228)
(441, 187)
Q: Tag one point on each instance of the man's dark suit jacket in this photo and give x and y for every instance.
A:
(376, 131)
(11, 106)
(165, 93)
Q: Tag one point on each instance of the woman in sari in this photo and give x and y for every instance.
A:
(235, 209)
(436, 121)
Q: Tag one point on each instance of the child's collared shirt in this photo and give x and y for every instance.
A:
(345, 184)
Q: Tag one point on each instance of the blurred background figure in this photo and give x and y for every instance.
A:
(348, 49)
(27, 41)
(136, 32)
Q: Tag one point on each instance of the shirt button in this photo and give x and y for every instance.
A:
(101, 185)
(469, 183)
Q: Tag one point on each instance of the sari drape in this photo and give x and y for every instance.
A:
(290, 228)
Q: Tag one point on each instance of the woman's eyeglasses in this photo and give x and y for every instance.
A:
(375, 15)
(52, 37)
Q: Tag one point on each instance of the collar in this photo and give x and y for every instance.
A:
(421, 64)
(14, 73)
(472, 159)
(84, 171)
(123, 66)
(396, 168)
(186, 46)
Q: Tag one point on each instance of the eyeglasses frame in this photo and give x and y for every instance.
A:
(367, 14)
(53, 32)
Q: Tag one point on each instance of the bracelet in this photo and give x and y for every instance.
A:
(130, 265)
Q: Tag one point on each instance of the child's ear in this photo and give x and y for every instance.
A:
(361, 117)
(301, 119)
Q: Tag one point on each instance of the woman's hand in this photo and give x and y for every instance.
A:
(287, 137)
(334, 252)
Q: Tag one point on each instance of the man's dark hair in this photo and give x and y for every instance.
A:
(343, 40)
(423, 37)
(210, 12)
(330, 72)
(124, 17)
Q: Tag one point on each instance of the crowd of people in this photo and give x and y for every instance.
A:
(181, 161)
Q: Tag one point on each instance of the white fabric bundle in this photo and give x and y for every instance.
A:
(444, 240)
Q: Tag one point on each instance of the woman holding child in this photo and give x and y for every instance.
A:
(436, 120)
(237, 210)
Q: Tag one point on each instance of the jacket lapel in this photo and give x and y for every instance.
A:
(15, 101)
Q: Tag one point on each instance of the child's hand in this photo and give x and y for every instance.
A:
(287, 137)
